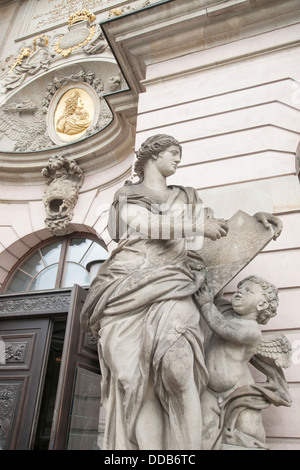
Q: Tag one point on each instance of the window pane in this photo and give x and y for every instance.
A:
(75, 274)
(96, 252)
(19, 283)
(33, 265)
(51, 253)
(46, 279)
(77, 248)
(40, 271)
(83, 432)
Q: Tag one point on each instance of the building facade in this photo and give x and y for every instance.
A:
(82, 84)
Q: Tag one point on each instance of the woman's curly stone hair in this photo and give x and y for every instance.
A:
(152, 146)
(271, 293)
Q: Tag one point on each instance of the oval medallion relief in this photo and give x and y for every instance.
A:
(73, 112)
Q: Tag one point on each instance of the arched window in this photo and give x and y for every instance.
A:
(60, 264)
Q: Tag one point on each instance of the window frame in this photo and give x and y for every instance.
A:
(62, 263)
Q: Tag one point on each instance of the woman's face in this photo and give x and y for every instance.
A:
(168, 160)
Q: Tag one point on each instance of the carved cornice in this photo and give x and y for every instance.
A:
(34, 304)
(173, 28)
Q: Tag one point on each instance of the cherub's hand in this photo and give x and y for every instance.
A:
(203, 296)
(268, 220)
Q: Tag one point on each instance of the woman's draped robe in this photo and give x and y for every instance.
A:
(140, 304)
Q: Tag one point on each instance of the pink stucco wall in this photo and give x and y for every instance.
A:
(237, 120)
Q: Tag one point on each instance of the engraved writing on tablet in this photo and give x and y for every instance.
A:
(226, 257)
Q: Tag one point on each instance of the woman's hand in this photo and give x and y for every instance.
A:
(270, 220)
(215, 228)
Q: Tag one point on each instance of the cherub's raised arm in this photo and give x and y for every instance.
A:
(225, 327)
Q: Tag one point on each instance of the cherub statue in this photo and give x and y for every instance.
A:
(232, 402)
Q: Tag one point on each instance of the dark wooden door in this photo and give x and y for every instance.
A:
(25, 350)
(27, 326)
(76, 411)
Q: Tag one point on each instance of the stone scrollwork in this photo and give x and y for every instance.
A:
(82, 76)
(64, 181)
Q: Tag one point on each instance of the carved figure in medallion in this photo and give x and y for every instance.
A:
(64, 181)
(141, 307)
(75, 119)
(232, 402)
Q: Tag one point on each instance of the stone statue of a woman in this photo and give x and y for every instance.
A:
(141, 307)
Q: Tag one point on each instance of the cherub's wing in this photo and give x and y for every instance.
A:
(275, 349)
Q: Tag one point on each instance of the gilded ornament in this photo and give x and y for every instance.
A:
(81, 33)
(26, 51)
(115, 12)
(66, 52)
(81, 16)
(74, 113)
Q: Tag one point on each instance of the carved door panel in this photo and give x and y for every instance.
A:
(76, 411)
(25, 350)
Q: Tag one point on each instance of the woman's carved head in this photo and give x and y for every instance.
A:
(152, 147)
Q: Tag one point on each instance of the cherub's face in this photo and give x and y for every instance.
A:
(249, 298)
